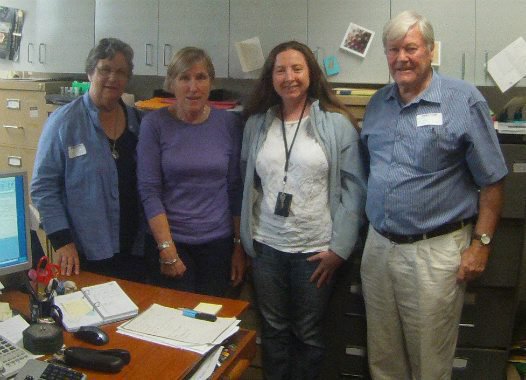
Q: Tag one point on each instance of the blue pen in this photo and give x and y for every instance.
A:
(198, 315)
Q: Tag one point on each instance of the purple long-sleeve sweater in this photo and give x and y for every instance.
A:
(191, 173)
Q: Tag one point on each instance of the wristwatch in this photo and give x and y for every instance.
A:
(484, 239)
(164, 244)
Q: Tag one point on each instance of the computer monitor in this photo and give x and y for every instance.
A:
(15, 243)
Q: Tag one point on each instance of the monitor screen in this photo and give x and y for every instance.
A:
(15, 246)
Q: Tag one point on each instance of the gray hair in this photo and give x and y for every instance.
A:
(183, 60)
(398, 27)
(107, 49)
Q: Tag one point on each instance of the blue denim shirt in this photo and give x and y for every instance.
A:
(429, 157)
(75, 180)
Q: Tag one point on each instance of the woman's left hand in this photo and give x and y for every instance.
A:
(239, 265)
(328, 263)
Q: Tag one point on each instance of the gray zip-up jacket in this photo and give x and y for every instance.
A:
(347, 179)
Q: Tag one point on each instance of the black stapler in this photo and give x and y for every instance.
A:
(111, 360)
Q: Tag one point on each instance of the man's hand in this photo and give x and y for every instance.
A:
(68, 259)
(328, 263)
(473, 262)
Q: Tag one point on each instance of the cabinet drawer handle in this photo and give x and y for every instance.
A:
(486, 54)
(29, 45)
(463, 70)
(460, 363)
(167, 48)
(13, 127)
(42, 48)
(149, 54)
(355, 351)
(15, 161)
(470, 325)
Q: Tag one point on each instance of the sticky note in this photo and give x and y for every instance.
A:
(209, 308)
(331, 65)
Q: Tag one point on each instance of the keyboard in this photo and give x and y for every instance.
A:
(12, 358)
(39, 370)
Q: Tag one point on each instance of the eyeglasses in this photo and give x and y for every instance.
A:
(105, 72)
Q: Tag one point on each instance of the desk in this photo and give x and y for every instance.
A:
(149, 360)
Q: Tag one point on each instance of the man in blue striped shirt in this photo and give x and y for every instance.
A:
(434, 197)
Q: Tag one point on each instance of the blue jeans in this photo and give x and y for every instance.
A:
(292, 310)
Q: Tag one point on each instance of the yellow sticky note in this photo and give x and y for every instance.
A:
(209, 308)
(77, 308)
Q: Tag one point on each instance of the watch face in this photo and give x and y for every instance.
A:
(485, 239)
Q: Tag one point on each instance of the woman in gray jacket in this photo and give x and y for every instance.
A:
(302, 204)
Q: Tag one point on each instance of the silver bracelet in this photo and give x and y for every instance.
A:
(168, 262)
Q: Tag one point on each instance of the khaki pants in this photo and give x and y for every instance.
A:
(413, 304)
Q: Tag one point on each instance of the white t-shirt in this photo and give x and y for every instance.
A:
(308, 227)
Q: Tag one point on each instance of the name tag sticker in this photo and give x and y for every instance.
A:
(429, 119)
(76, 150)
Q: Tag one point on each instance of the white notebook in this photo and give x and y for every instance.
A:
(95, 305)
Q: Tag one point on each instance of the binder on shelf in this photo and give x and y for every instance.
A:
(95, 305)
(514, 127)
(354, 91)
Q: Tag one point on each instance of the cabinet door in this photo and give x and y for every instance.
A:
(328, 23)
(25, 60)
(199, 23)
(273, 21)
(134, 22)
(499, 23)
(454, 25)
(65, 35)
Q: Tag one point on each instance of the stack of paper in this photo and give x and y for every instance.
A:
(169, 327)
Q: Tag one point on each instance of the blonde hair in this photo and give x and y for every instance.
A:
(183, 60)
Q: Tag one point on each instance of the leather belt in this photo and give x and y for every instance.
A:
(442, 230)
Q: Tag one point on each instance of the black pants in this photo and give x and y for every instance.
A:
(123, 266)
(208, 266)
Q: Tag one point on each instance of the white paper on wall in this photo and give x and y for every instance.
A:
(250, 54)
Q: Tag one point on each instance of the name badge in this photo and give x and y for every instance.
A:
(76, 150)
(429, 119)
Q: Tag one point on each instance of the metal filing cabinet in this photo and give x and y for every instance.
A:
(490, 305)
(23, 112)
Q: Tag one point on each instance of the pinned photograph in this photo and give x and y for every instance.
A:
(357, 40)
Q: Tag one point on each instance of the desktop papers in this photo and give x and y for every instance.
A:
(12, 329)
(168, 326)
(509, 66)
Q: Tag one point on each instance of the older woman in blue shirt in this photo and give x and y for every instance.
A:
(84, 180)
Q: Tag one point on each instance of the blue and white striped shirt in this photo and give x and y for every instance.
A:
(428, 158)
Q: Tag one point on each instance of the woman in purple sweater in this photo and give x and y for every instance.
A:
(190, 183)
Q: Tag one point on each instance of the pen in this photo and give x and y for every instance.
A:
(198, 315)
(51, 287)
(30, 289)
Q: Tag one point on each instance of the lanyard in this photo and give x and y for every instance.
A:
(288, 149)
